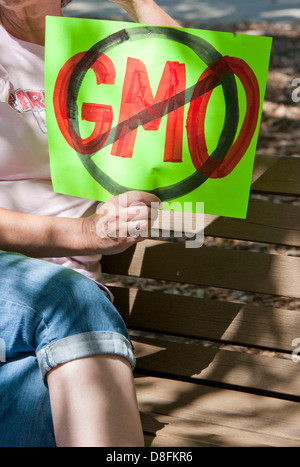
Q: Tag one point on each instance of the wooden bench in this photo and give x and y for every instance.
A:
(218, 371)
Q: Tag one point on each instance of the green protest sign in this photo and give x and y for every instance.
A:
(168, 110)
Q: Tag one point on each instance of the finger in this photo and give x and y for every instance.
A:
(138, 229)
(136, 197)
(141, 211)
(138, 212)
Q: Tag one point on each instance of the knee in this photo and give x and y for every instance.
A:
(72, 303)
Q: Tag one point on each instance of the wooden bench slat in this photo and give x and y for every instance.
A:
(176, 413)
(212, 266)
(191, 432)
(266, 222)
(235, 323)
(276, 175)
(213, 365)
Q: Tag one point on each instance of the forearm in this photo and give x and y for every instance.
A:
(39, 236)
(147, 12)
(107, 231)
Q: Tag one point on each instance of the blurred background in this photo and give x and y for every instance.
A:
(201, 11)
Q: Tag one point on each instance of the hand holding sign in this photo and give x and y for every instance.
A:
(120, 222)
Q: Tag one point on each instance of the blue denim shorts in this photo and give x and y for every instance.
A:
(49, 315)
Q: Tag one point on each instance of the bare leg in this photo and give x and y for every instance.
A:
(94, 404)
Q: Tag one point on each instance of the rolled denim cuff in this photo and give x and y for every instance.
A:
(83, 345)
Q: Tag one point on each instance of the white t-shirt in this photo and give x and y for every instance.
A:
(25, 181)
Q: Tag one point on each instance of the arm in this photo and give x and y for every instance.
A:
(147, 12)
(39, 236)
(108, 231)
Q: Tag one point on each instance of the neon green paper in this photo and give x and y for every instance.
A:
(234, 88)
